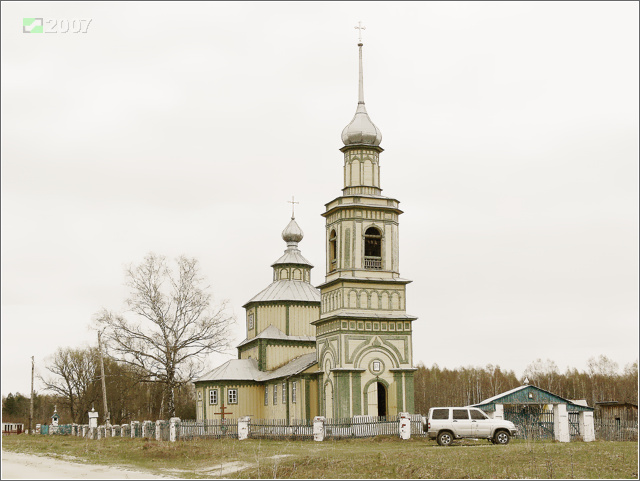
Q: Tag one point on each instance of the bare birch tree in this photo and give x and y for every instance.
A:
(173, 324)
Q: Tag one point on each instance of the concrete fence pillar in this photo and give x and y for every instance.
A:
(99, 432)
(113, 430)
(499, 412)
(561, 423)
(244, 424)
(134, 425)
(405, 426)
(318, 428)
(587, 428)
(174, 424)
(159, 430)
(123, 430)
(84, 430)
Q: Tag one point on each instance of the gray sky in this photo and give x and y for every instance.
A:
(510, 132)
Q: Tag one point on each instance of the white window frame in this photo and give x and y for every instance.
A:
(294, 389)
(213, 397)
(275, 394)
(251, 321)
(232, 396)
(284, 393)
(266, 395)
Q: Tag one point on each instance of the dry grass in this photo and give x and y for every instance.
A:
(381, 457)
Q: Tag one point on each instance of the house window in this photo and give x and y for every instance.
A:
(232, 396)
(332, 251)
(275, 394)
(284, 393)
(213, 396)
(294, 388)
(250, 320)
(372, 249)
(266, 395)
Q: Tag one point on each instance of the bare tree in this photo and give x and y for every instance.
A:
(74, 375)
(173, 325)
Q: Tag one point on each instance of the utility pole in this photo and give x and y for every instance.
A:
(104, 388)
(31, 403)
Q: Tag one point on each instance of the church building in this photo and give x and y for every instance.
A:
(343, 349)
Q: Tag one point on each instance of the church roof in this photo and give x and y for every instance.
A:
(273, 332)
(287, 290)
(247, 370)
(292, 256)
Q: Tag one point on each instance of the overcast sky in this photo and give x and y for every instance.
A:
(510, 132)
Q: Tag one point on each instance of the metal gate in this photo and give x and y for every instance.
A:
(532, 421)
(574, 425)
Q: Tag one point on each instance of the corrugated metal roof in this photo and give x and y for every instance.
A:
(288, 290)
(247, 370)
(550, 397)
(234, 370)
(273, 332)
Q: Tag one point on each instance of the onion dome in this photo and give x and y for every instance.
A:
(292, 234)
(361, 130)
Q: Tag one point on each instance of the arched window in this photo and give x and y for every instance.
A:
(372, 249)
(332, 250)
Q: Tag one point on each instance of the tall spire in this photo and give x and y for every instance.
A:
(361, 130)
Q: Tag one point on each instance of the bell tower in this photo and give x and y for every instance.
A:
(363, 336)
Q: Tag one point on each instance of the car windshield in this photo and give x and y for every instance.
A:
(477, 414)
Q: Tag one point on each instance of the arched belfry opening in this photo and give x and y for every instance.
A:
(382, 400)
(372, 249)
(333, 251)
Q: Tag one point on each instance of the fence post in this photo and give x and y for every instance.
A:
(133, 428)
(99, 432)
(173, 429)
(123, 429)
(158, 434)
(587, 429)
(405, 426)
(561, 423)
(243, 427)
(318, 428)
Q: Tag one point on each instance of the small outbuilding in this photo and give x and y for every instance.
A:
(616, 411)
(538, 413)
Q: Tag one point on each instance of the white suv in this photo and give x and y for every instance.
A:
(447, 424)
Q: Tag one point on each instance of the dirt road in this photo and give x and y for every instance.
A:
(28, 466)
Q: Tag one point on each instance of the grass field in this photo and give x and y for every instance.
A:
(381, 457)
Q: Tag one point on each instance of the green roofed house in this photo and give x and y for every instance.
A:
(540, 413)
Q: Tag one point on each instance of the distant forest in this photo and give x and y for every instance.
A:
(74, 386)
(603, 380)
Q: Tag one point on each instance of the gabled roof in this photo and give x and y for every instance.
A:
(287, 290)
(273, 332)
(247, 370)
(520, 395)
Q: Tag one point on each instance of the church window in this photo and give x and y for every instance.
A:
(250, 320)
(376, 366)
(232, 396)
(213, 396)
(275, 394)
(333, 241)
(372, 249)
(284, 393)
(266, 395)
(294, 388)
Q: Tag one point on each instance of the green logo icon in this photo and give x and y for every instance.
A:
(32, 25)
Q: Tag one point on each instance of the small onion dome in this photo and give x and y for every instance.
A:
(293, 232)
(361, 130)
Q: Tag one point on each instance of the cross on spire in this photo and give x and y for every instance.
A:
(293, 206)
(360, 28)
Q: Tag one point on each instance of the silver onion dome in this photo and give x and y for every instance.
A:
(292, 234)
(361, 130)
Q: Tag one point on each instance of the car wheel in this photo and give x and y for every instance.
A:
(502, 437)
(445, 438)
